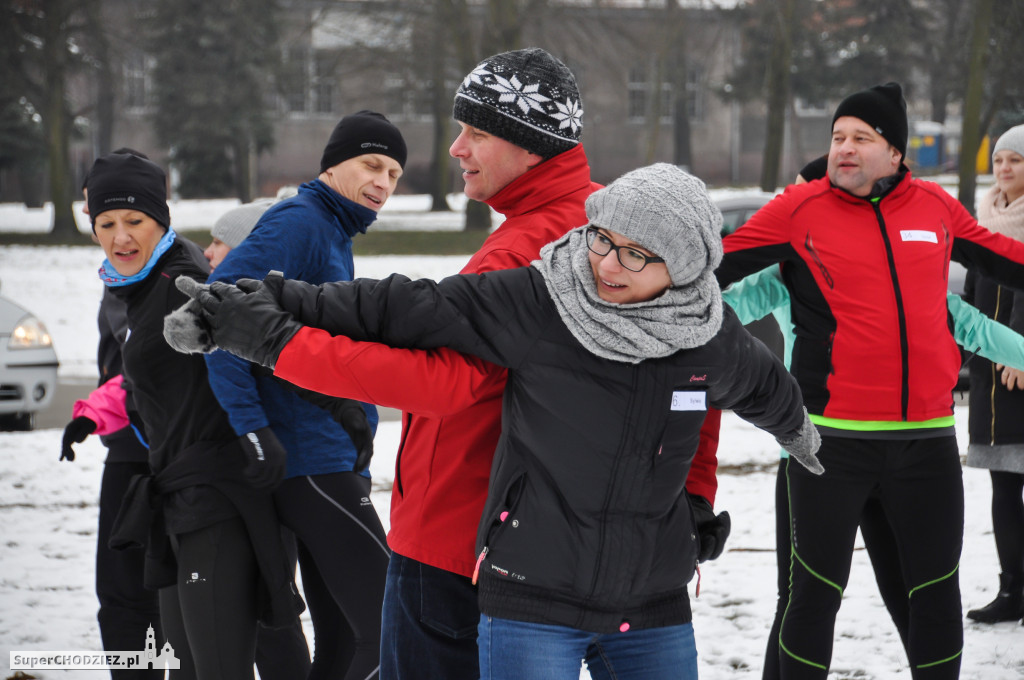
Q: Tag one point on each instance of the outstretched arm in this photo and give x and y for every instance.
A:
(976, 332)
(431, 383)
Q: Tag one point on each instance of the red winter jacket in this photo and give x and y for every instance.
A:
(868, 280)
(452, 403)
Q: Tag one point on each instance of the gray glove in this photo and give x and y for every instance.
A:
(245, 320)
(803, 445)
(185, 330)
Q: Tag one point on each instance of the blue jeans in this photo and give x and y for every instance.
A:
(429, 623)
(514, 650)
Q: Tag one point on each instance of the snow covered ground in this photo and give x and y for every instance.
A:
(48, 517)
(48, 533)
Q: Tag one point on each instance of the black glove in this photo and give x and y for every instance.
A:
(350, 415)
(75, 432)
(265, 459)
(712, 529)
(244, 320)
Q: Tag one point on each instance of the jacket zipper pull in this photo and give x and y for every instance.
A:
(479, 561)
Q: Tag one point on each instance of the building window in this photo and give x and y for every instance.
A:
(641, 90)
(323, 83)
(694, 94)
(295, 80)
(136, 80)
(637, 93)
(408, 101)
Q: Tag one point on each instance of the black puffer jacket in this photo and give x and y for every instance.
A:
(587, 523)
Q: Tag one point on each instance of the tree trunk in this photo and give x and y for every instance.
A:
(244, 160)
(970, 131)
(106, 89)
(779, 65)
(478, 215)
(56, 122)
(681, 150)
(440, 177)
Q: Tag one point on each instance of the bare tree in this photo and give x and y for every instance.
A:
(44, 57)
(779, 65)
(971, 132)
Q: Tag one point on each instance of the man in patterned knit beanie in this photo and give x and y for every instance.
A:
(526, 97)
(520, 119)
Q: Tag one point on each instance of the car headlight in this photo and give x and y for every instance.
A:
(30, 333)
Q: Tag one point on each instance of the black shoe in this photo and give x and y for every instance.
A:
(1008, 605)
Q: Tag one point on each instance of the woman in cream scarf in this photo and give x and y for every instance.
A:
(997, 396)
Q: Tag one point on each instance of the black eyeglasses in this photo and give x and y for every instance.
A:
(630, 258)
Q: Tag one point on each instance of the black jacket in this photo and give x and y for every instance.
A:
(587, 523)
(170, 391)
(995, 414)
(112, 321)
(194, 454)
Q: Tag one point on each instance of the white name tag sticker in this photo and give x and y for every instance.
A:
(689, 401)
(919, 235)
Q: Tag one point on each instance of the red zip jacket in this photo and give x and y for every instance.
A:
(868, 280)
(452, 403)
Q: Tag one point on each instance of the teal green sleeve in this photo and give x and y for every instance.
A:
(975, 332)
(758, 295)
(761, 294)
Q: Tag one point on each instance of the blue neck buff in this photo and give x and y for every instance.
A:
(110, 277)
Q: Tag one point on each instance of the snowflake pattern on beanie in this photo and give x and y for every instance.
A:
(526, 97)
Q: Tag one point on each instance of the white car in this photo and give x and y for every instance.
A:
(28, 367)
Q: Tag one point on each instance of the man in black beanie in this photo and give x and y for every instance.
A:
(322, 500)
(865, 253)
(879, 112)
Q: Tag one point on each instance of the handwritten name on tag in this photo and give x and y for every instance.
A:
(689, 401)
(919, 235)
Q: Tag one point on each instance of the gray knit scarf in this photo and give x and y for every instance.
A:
(681, 318)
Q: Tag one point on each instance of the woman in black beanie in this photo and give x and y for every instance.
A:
(204, 514)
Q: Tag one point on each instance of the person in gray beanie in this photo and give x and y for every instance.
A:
(616, 344)
(997, 390)
(231, 228)
(1011, 140)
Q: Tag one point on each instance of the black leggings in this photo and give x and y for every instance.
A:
(881, 548)
(343, 558)
(214, 604)
(1008, 520)
(919, 487)
(127, 608)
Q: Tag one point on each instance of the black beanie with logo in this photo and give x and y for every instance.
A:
(123, 181)
(361, 133)
(883, 108)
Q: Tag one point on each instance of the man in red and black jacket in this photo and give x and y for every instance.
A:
(520, 119)
(865, 255)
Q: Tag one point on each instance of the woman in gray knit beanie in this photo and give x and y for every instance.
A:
(638, 282)
(616, 344)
